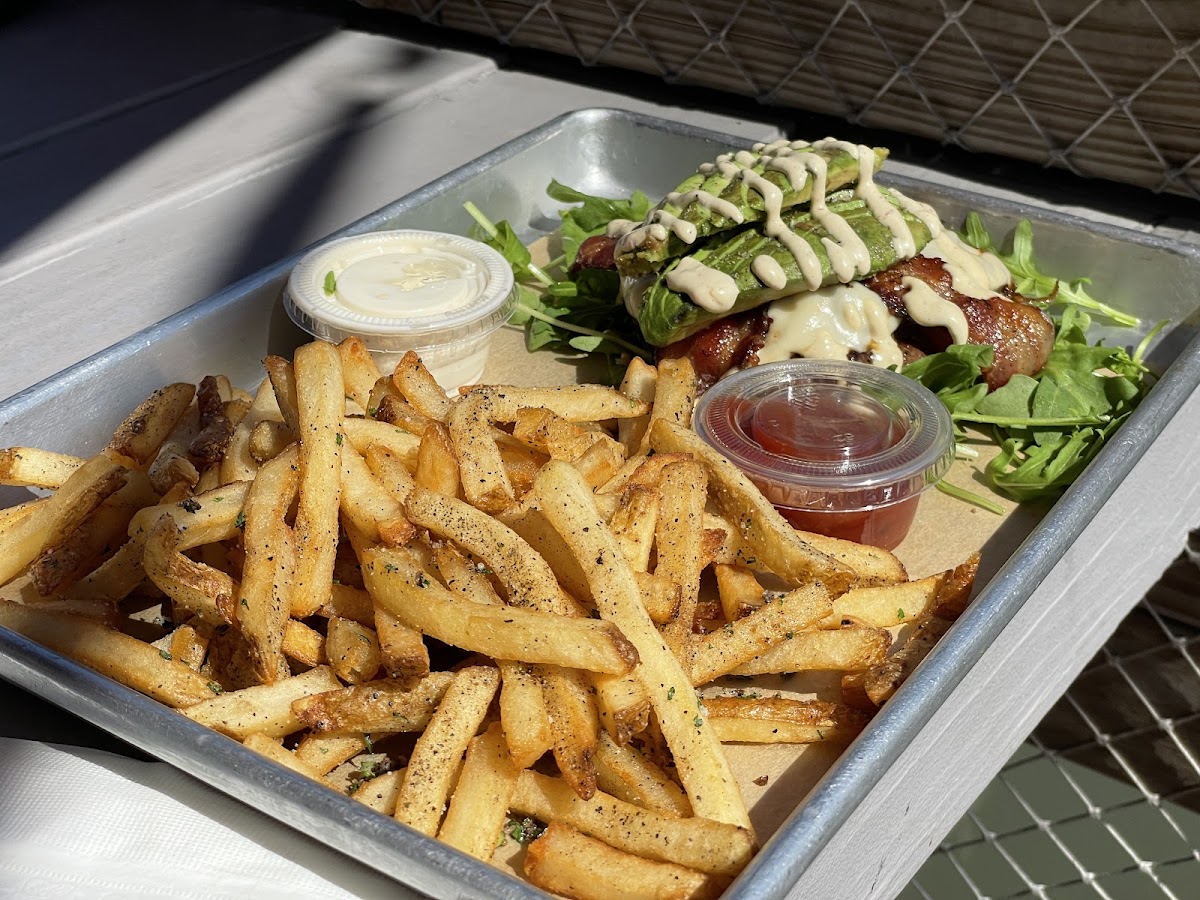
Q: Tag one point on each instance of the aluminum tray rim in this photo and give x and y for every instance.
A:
(827, 806)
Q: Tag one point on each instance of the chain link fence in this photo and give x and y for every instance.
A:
(1102, 802)
(1102, 88)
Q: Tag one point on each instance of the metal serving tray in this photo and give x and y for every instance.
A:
(602, 151)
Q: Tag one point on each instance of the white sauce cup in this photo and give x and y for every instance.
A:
(440, 295)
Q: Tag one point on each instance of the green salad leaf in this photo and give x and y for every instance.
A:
(569, 312)
(1030, 282)
(1049, 426)
(592, 216)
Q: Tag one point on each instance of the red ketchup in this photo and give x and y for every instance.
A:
(843, 449)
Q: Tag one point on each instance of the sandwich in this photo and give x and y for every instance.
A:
(791, 249)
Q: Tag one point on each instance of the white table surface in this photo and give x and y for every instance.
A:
(135, 183)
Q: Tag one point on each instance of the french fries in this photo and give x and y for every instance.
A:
(569, 863)
(514, 577)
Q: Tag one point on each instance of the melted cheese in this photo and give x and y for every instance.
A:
(830, 323)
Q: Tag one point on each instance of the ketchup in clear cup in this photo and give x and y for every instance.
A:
(840, 448)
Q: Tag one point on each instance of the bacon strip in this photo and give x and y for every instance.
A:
(1021, 334)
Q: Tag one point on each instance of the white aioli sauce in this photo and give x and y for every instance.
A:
(709, 201)
(709, 289)
(975, 273)
(769, 272)
(829, 323)
(406, 282)
(927, 308)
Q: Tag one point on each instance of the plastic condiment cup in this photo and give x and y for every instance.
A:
(840, 448)
(441, 295)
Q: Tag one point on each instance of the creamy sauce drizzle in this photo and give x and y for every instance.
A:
(709, 289)
(709, 201)
(972, 272)
(830, 323)
(769, 272)
(928, 308)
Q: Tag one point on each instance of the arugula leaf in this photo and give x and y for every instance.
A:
(592, 217)
(1050, 426)
(1029, 280)
(581, 313)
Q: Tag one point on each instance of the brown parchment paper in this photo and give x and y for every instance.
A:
(945, 532)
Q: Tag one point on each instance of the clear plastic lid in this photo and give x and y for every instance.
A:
(402, 290)
(829, 435)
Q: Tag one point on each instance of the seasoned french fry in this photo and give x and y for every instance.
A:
(350, 603)
(485, 480)
(678, 539)
(282, 375)
(303, 645)
(265, 604)
(574, 724)
(322, 753)
(567, 503)
(368, 506)
(419, 388)
(475, 819)
(115, 578)
(627, 774)
(573, 402)
(526, 576)
(14, 514)
(267, 441)
(740, 592)
(779, 720)
(377, 707)
(568, 863)
(391, 471)
(32, 467)
(367, 433)
(398, 584)
(138, 438)
(722, 651)
(841, 650)
(523, 714)
(599, 462)
(387, 405)
(623, 705)
(401, 648)
(437, 465)
(203, 519)
(674, 395)
(200, 589)
(50, 523)
(320, 402)
(660, 596)
(123, 658)
(634, 523)
(439, 751)
(171, 466)
(380, 792)
(239, 463)
(82, 550)
(264, 709)
(639, 383)
(273, 750)
(359, 372)
(759, 523)
(698, 843)
(536, 531)
(883, 680)
(352, 650)
(189, 645)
